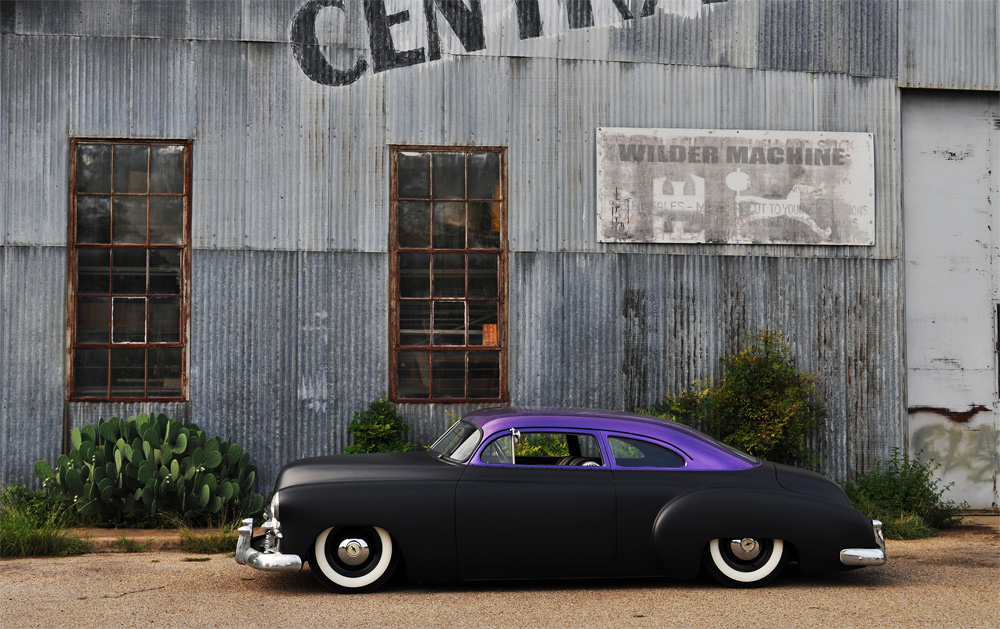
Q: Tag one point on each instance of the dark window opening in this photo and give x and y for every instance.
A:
(129, 261)
(448, 262)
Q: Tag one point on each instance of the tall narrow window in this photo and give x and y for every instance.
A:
(130, 208)
(448, 264)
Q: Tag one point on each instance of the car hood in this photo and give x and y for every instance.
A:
(398, 466)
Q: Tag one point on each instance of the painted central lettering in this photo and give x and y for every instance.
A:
(465, 17)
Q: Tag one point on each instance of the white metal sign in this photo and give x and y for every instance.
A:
(728, 186)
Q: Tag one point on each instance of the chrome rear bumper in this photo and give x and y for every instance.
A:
(269, 561)
(866, 556)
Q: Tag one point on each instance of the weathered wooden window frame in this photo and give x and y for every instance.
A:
(75, 295)
(395, 251)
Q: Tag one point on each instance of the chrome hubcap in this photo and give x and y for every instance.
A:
(353, 551)
(746, 549)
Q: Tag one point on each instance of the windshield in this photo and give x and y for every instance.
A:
(458, 442)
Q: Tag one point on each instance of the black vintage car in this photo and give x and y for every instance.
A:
(510, 493)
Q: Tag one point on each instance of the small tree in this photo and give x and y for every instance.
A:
(378, 429)
(764, 405)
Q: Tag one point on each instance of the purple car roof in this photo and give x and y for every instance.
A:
(705, 452)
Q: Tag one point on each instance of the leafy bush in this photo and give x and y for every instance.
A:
(905, 495)
(29, 526)
(378, 429)
(143, 470)
(763, 406)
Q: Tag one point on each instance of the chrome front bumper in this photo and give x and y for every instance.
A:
(269, 560)
(866, 556)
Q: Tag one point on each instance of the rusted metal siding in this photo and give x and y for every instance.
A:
(289, 317)
(32, 377)
(34, 115)
(621, 331)
(950, 44)
(552, 173)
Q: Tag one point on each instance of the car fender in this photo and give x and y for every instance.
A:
(419, 516)
(817, 528)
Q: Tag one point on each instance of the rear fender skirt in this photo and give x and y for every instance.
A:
(818, 528)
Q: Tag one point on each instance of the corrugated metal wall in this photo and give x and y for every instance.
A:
(290, 219)
(950, 45)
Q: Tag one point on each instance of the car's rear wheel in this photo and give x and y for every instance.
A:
(746, 561)
(353, 558)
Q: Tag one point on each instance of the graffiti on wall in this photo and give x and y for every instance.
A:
(711, 186)
(955, 449)
(385, 19)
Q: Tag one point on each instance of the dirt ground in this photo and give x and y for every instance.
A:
(948, 581)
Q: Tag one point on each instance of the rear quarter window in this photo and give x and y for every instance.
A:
(637, 453)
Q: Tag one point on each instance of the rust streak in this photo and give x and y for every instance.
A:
(959, 417)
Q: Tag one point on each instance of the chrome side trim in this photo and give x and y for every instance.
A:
(866, 556)
(268, 561)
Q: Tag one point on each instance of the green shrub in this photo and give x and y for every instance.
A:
(906, 496)
(29, 526)
(143, 470)
(378, 429)
(763, 406)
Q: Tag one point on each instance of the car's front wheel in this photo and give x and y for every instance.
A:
(353, 558)
(746, 561)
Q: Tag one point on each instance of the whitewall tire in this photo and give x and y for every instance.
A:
(745, 562)
(353, 558)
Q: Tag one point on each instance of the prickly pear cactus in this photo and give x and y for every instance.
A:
(128, 471)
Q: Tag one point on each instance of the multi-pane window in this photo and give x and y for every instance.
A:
(448, 263)
(130, 204)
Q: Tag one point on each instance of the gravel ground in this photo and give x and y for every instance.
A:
(952, 580)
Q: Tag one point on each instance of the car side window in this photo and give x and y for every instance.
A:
(545, 448)
(637, 453)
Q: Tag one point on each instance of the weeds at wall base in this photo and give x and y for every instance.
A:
(29, 528)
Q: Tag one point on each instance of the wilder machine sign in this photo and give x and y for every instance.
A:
(751, 187)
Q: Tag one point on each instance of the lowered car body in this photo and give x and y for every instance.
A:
(512, 493)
